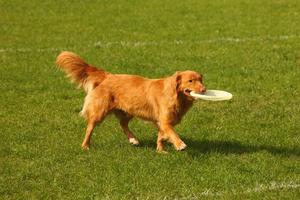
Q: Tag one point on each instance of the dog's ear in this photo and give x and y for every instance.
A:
(177, 77)
(172, 85)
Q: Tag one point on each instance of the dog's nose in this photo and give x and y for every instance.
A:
(202, 89)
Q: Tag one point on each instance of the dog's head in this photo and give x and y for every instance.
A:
(188, 81)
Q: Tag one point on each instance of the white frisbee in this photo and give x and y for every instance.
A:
(212, 95)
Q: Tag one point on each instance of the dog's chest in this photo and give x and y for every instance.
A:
(179, 109)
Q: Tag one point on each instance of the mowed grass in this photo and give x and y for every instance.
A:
(248, 147)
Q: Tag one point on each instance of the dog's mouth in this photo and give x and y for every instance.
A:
(187, 91)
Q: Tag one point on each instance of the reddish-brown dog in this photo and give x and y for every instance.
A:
(162, 101)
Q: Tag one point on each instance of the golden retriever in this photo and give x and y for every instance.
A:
(162, 101)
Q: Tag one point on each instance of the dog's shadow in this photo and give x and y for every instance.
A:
(198, 147)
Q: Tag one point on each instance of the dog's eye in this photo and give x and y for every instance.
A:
(190, 81)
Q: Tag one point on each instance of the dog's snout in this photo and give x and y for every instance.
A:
(202, 89)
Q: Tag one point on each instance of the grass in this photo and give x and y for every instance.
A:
(247, 148)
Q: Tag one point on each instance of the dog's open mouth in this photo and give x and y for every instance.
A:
(187, 91)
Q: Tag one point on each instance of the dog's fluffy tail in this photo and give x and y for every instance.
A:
(86, 76)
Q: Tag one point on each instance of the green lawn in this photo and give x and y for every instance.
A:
(246, 148)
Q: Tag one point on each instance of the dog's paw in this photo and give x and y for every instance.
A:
(161, 151)
(182, 146)
(134, 141)
(85, 147)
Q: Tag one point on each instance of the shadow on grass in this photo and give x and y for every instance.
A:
(234, 147)
(228, 147)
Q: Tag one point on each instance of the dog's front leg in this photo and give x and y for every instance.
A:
(166, 131)
(160, 141)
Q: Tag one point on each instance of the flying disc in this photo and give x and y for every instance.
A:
(212, 95)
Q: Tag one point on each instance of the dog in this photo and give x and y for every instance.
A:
(162, 101)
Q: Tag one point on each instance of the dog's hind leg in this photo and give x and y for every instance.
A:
(124, 120)
(90, 127)
(95, 111)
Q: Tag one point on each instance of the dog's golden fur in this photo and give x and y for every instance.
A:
(162, 101)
